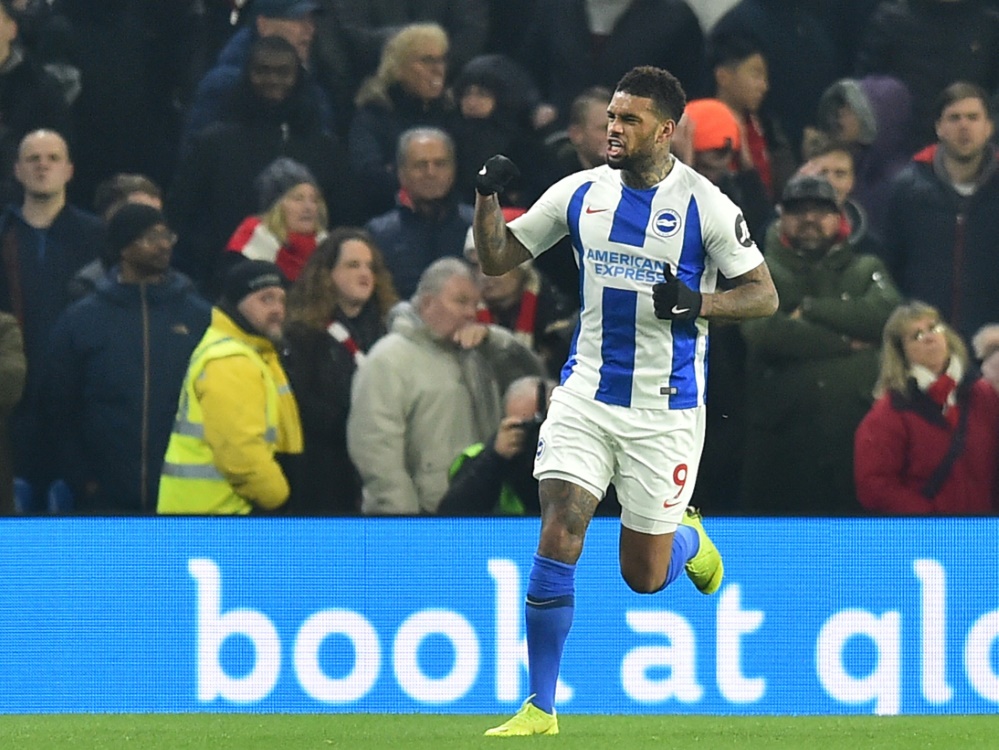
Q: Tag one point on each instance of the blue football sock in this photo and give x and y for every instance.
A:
(550, 604)
(686, 543)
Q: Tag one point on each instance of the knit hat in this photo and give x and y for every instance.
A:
(715, 125)
(277, 178)
(128, 224)
(247, 277)
(809, 188)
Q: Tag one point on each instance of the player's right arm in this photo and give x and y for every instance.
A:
(498, 250)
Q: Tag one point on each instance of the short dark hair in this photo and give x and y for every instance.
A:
(962, 90)
(580, 105)
(728, 48)
(661, 86)
(112, 193)
(817, 143)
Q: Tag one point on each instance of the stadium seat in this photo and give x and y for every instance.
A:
(61, 500)
(24, 498)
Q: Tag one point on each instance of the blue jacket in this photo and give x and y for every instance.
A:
(35, 274)
(117, 358)
(410, 241)
(217, 85)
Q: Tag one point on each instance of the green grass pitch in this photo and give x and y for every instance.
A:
(437, 732)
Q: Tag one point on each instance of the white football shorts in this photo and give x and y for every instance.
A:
(651, 456)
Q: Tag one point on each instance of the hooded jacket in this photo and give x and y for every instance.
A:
(221, 81)
(883, 106)
(417, 402)
(214, 187)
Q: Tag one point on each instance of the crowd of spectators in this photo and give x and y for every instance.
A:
(161, 158)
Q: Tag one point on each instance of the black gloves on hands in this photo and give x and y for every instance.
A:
(674, 300)
(495, 175)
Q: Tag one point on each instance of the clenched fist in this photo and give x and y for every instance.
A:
(495, 175)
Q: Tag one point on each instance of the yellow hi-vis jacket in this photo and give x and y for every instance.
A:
(236, 411)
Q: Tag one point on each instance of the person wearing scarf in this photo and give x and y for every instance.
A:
(337, 310)
(293, 219)
(930, 443)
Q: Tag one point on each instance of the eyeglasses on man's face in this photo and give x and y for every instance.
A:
(158, 237)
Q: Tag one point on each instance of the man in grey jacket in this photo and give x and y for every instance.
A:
(428, 389)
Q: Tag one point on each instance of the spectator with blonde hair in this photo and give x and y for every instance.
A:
(336, 311)
(930, 443)
(407, 91)
(293, 218)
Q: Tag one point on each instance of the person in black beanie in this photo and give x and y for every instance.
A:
(237, 425)
(247, 278)
(137, 227)
(117, 360)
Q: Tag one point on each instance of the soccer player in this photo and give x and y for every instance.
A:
(650, 236)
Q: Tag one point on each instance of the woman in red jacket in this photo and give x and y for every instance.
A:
(930, 443)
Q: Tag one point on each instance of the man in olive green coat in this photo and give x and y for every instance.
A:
(812, 365)
(12, 371)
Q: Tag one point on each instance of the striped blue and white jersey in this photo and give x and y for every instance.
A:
(621, 352)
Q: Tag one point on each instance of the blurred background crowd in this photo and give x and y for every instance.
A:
(238, 275)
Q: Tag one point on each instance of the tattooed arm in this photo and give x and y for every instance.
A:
(754, 296)
(498, 250)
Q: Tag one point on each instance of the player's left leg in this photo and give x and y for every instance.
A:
(651, 562)
(657, 467)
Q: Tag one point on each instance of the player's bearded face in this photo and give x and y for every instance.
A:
(631, 131)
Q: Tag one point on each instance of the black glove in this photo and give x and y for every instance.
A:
(674, 300)
(495, 175)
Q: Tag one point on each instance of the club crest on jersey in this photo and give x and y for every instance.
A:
(666, 223)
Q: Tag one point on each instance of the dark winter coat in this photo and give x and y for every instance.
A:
(941, 247)
(374, 136)
(410, 241)
(117, 359)
(220, 83)
(321, 370)
(809, 379)
(214, 187)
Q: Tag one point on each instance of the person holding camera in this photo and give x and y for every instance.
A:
(496, 477)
